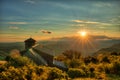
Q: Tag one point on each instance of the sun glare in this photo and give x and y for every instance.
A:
(83, 33)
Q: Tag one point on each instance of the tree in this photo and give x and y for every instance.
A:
(71, 54)
(90, 59)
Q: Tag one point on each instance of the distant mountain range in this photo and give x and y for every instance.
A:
(56, 46)
(7, 47)
(86, 47)
(113, 48)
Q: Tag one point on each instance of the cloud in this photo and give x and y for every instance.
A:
(13, 27)
(102, 4)
(66, 6)
(100, 37)
(30, 1)
(62, 5)
(17, 22)
(82, 21)
(91, 38)
(115, 20)
(78, 21)
(89, 22)
(45, 31)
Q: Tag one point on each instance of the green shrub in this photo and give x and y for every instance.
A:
(105, 59)
(19, 61)
(31, 72)
(55, 73)
(116, 68)
(75, 73)
(86, 69)
(74, 63)
(104, 67)
(90, 59)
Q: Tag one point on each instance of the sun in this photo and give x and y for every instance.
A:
(83, 33)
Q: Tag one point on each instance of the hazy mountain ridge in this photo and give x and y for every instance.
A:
(113, 48)
(59, 45)
(7, 47)
(56, 46)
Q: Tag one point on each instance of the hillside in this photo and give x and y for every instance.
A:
(7, 47)
(113, 48)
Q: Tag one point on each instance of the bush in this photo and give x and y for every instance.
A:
(74, 63)
(115, 53)
(104, 67)
(116, 68)
(31, 72)
(89, 59)
(19, 61)
(22, 68)
(55, 73)
(105, 59)
(75, 73)
(27, 72)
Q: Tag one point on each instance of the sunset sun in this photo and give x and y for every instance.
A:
(82, 33)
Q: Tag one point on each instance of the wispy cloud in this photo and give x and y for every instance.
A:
(67, 6)
(102, 4)
(89, 22)
(13, 27)
(100, 37)
(115, 20)
(30, 1)
(83, 21)
(62, 5)
(17, 22)
(78, 21)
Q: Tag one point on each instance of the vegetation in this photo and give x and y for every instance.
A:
(22, 68)
(98, 67)
(105, 67)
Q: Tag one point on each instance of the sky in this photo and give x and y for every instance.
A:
(21, 19)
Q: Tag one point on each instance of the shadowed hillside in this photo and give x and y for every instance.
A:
(113, 48)
(7, 47)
